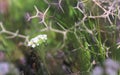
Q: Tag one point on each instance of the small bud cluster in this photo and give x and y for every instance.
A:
(36, 41)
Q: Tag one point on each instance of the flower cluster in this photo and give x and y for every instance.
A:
(36, 41)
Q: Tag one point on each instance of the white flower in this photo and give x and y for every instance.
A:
(36, 41)
(33, 45)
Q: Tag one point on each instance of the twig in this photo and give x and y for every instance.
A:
(40, 15)
(13, 35)
(56, 4)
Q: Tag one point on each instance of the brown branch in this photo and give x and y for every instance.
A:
(13, 35)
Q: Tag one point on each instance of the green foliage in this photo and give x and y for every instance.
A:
(84, 41)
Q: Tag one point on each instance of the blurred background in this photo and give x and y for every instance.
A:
(75, 44)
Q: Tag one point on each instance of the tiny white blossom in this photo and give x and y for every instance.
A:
(38, 44)
(33, 45)
(36, 41)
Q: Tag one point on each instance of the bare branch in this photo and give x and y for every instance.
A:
(56, 4)
(80, 7)
(40, 15)
(3, 29)
(13, 35)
